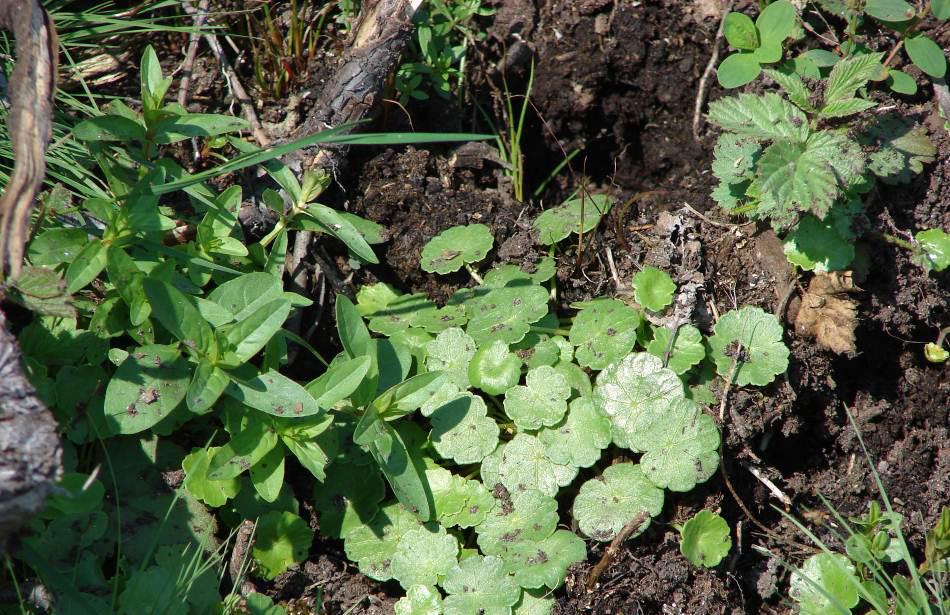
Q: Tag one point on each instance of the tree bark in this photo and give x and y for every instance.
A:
(30, 453)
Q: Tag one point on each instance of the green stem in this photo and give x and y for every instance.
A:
(478, 279)
(549, 331)
(897, 241)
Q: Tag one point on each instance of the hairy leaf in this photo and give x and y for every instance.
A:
(604, 505)
(761, 117)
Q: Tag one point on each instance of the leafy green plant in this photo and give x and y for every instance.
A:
(756, 43)
(705, 539)
(281, 58)
(578, 215)
(653, 289)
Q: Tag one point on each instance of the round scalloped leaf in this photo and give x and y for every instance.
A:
(489, 469)
(419, 600)
(451, 352)
(423, 556)
(538, 349)
(607, 503)
(524, 465)
(934, 249)
(522, 516)
(580, 438)
(681, 445)
(408, 311)
(653, 288)
(582, 214)
(372, 298)
(762, 355)
(474, 499)
(604, 331)
(348, 496)
(446, 393)
(535, 602)
(542, 402)
(506, 313)
(454, 247)
(545, 563)
(576, 377)
(282, 539)
(687, 351)
(480, 586)
(632, 387)
(494, 369)
(821, 576)
(705, 539)
(373, 544)
(214, 493)
(462, 431)
(446, 491)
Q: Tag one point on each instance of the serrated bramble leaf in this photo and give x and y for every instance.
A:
(451, 249)
(494, 369)
(653, 288)
(632, 387)
(462, 431)
(521, 516)
(761, 117)
(705, 539)
(373, 544)
(850, 74)
(902, 148)
(580, 438)
(506, 313)
(524, 465)
(480, 586)
(579, 215)
(762, 351)
(542, 402)
(544, 563)
(794, 87)
(681, 445)
(450, 352)
(604, 331)
(281, 540)
(846, 107)
(419, 600)
(738, 69)
(604, 505)
(423, 556)
(687, 350)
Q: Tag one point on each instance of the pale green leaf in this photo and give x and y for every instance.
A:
(462, 431)
(542, 402)
(833, 573)
(373, 544)
(544, 563)
(580, 438)
(494, 369)
(794, 87)
(687, 350)
(451, 249)
(282, 539)
(816, 245)
(653, 288)
(756, 338)
(524, 465)
(578, 215)
(604, 331)
(419, 600)
(705, 539)
(740, 31)
(423, 556)
(450, 352)
(274, 393)
(214, 493)
(480, 586)
(604, 505)
(520, 516)
(506, 313)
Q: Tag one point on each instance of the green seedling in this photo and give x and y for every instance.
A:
(756, 43)
(705, 539)
(687, 349)
(283, 539)
(653, 289)
(747, 347)
(935, 351)
(826, 583)
(579, 215)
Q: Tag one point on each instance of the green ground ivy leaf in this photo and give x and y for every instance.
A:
(521, 516)
(535, 602)
(423, 556)
(348, 497)
(446, 393)
(542, 402)
(245, 448)
(653, 288)
(494, 369)
(544, 563)
(476, 501)
(282, 540)
(419, 600)
(607, 503)
(579, 439)
(935, 249)
(579, 215)
(604, 331)
(480, 586)
(450, 352)
(149, 384)
(506, 313)
(462, 431)
(373, 544)
(833, 573)
(454, 247)
(680, 444)
(214, 493)
(524, 465)
(687, 351)
(631, 388)
(756, 338)
(705, 539)
(816, 245)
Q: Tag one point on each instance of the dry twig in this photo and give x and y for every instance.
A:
(608, 557)
(188, 65)
(704, 81)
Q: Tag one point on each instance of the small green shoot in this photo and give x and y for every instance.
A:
(756, 43)
(579, 215)
(705, 539)
(653, 289)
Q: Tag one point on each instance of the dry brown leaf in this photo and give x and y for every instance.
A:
(827, 313)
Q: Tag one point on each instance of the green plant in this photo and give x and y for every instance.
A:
(282, 58)
(705, 539)
(756, 43)
(436, 57)
(934, 351)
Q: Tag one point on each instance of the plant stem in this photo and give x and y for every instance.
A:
(478, 279)
(897, 241)
(549, 331)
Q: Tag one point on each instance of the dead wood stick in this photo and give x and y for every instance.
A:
(237, 90)
(194, 38)
(614, 547)
(710, 66)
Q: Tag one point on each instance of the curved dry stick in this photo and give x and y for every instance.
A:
(30, 121)
(30, 453)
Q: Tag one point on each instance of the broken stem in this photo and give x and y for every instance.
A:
(478, 279)
(611, 552)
